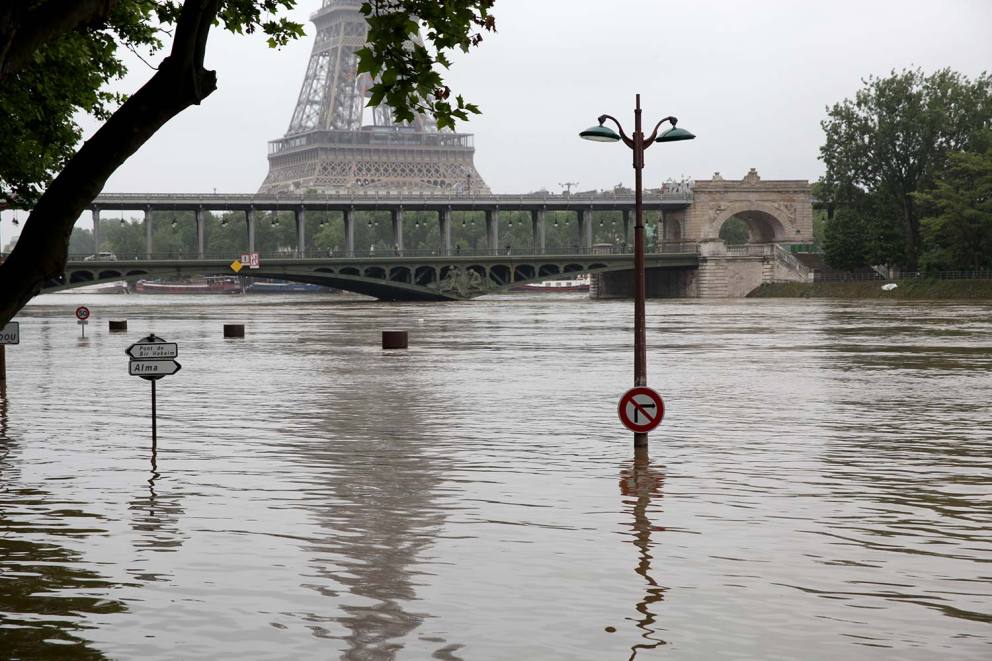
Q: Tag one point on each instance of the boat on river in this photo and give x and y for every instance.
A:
(208, 285)
(116, 287)
(269, 286)
(579, 283)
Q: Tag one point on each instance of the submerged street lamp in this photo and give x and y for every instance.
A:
(638, 143)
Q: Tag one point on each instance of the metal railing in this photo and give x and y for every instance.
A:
(789, 260)
(318, 199)
(665, 248)
(751, 250)
(819, 276)
(902, 275)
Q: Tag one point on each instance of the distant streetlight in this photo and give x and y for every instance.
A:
(638, 144)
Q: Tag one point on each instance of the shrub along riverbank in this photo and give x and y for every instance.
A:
(921, 289)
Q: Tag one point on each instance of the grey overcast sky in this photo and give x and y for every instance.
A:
(750, 79)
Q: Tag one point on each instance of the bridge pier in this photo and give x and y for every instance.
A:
(199, 232)
(492, 231)
(626, 227)
(301, 231)
(250, 221)
(397, 216)
(658, 283)
(672, 226)
(585, 230)
(444, 216)
(348, 215)
(537, 220)
(96, 229)
(148, 232)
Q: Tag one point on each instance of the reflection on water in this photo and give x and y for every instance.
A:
(640, 484)
(820, 487)
(48, 596)
(375, 497)
(156, 513)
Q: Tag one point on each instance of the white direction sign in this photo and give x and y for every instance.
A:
(153, 369)
(160, 350)
(11, 333)
(151, 358)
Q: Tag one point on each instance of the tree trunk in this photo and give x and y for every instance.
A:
(181, 81)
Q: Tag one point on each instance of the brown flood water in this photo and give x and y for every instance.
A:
(820, 487)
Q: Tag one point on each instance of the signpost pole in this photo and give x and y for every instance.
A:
(151, 359)
(3, 364)
(154, 429)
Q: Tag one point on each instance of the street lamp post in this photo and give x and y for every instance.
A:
(638, 144)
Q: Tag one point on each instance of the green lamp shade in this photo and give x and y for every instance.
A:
(599, 134)
(674, 134)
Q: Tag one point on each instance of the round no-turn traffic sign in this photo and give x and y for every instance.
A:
(82, 313)
(641, 409)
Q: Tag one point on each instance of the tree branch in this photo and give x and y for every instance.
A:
(181, 81)
(23, 29)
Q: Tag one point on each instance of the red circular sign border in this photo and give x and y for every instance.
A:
(629, 395)
(85, 315)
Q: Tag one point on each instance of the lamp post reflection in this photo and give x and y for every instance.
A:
(640, 482)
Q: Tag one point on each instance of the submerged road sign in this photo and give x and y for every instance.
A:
(151, 358)
(152, 369)
(82, 313)
(159, 350)
(641, 409)
(11, 333)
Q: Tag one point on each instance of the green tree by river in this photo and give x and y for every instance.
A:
(906, 148)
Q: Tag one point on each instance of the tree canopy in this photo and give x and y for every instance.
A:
(957, 227)
(43, 91)
(887, 144)
(58, 59)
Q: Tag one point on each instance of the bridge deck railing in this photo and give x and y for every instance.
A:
(441, 197)
(674, 247)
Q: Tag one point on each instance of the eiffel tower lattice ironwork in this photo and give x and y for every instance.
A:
(335, 144)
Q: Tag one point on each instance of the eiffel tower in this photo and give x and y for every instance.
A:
(337, 145)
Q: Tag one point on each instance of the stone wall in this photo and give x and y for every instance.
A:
(783, 207)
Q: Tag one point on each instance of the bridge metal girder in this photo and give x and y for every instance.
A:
(396, 279)
(367, 202)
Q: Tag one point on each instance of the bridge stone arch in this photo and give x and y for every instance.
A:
(779, 211)
(765, 223)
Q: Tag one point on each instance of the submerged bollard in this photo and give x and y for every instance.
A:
(118, 326)
(234, 330)
(394, 340)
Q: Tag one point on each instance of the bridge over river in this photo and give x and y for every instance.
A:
(674, 269)
(687, 257)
